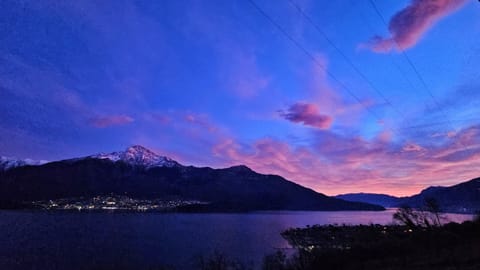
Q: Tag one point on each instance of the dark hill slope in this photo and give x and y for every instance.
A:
(232, 189)
(460, 198)
(380, 199)
(463, 197)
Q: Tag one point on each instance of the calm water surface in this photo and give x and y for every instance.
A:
(61, 240)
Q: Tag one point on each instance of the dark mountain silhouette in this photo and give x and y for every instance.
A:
(380, 199)
(236, 188)
(460, 198)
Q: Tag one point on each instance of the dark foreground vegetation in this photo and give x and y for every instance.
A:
(421, 240)
(418, 242)
(452, 246)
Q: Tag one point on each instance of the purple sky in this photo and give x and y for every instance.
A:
(340, 96)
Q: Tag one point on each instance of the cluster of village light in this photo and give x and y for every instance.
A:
(114, 203)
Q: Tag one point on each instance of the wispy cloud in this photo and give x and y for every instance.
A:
(243, 76)
(307, 114)
(239, 71)
(409, 24)
(412, 147)
(265, 155)
(326, 95)
(186, 121)
(201, 121)
(110, 120)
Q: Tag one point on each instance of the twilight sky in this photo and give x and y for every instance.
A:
(339, 96)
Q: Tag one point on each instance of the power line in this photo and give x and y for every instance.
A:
(331, 75)
(345, 57)
(309, 55)
(410, 62)
(402, 72)
(427, 125)
(415, 70)
(392, 61)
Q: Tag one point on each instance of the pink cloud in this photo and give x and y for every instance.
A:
(330, 163)
(409, 24)
(307, 114)
(412, 147)
(186, 134)
(160, 118)
(201, 121)
(265, 155)
(461, 155)
(110, 120)
(318, 87)
(188, 121)
(324, 94)
(336, 164)
(305, 166)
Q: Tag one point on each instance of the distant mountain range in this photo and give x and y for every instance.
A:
(139, 173)
(8, 163)
(460, 198)
(379, 199)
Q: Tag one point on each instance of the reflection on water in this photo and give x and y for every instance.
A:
(56, 240)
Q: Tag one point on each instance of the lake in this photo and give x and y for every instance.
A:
(69, 240)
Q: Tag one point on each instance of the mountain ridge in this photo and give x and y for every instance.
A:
(7, 163)
(384, 200)
(140, 173)
(459, 198)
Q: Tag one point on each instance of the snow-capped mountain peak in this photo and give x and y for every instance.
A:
(9, 163)
(139, 155)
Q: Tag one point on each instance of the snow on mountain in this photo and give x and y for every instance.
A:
(138, 155)
(9, 163)
(134, 155)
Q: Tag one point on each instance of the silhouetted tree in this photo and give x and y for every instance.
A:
(428, 216)
(432, 207)
(406, 216)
